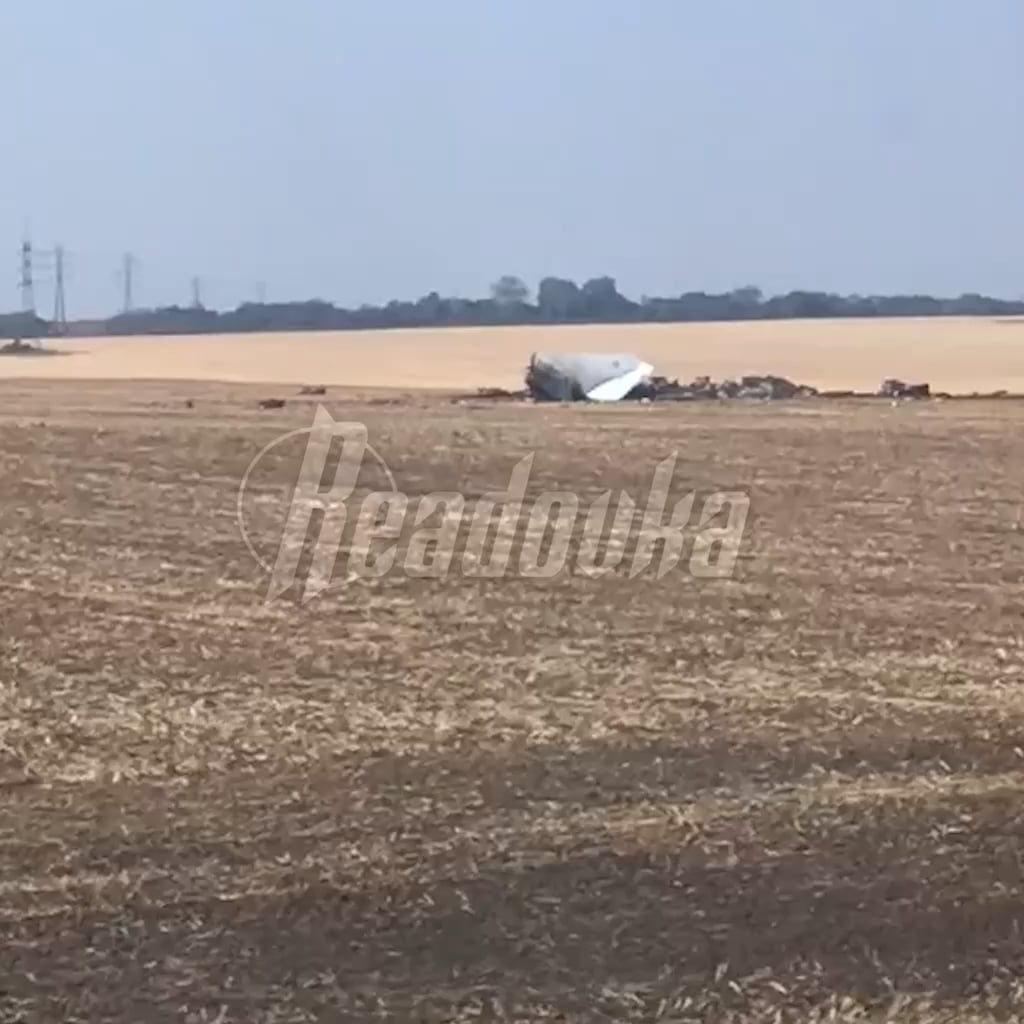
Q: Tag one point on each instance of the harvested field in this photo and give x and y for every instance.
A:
(955, 355)
(570, 800)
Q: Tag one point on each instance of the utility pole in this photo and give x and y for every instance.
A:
(28, 291)
(60, 316)
(128, 274)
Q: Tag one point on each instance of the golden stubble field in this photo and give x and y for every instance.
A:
(788, 793)
(955, 355)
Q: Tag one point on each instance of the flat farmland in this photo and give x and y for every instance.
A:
(787, 793)
(955, 355)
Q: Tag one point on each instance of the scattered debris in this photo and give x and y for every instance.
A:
(313, 389)
(615, 378)
(491, 395)
(894, 388)
(762, 388)
(272, 403)
(498, 393)
(17, 347)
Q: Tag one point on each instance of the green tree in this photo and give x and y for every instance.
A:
(510, 291)
(559, 299)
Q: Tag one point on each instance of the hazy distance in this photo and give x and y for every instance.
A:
(360, 152)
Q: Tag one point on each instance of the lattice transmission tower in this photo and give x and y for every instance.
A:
(27, 282)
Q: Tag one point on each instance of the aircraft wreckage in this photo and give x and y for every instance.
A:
(577, 378)
(621, 377)
(626, 377)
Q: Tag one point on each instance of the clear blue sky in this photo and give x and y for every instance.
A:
(364, 151)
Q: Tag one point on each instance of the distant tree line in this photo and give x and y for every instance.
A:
(557, 301)
(22, 325)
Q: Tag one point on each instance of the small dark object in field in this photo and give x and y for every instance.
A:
(490, 394)
(272, 403)
(189, 404)
(313, 389)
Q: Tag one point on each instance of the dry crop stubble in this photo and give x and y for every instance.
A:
(954, 353)
(652, 799)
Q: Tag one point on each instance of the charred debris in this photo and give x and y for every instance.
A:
(627, 378)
